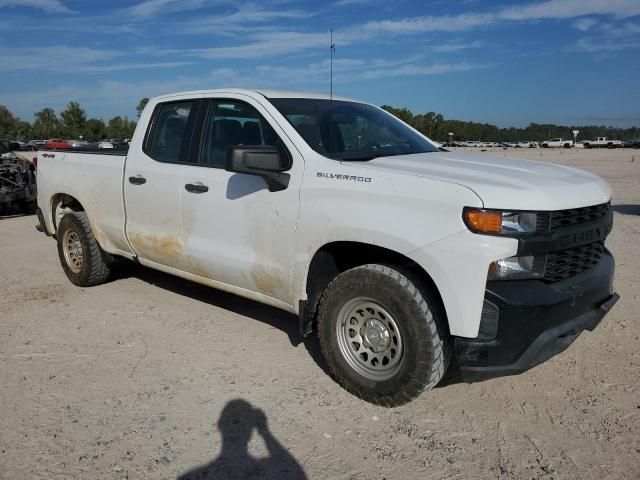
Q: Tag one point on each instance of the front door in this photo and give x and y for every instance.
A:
(235, 230)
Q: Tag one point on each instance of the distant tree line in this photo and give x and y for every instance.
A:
(436, 127)
(72, 123)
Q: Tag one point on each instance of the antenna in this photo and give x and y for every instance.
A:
(333, 49)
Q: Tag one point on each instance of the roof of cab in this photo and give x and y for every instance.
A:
(264, 92)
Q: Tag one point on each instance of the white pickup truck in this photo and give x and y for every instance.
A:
(557, 143)
(602, 142)
(406, 260)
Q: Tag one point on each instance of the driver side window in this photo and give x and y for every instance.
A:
(230, 124)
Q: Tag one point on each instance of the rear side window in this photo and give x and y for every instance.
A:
(167, 137)
(232, 124)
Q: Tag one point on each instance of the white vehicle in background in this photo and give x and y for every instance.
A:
(527, 145)
(406, 261)
(602, 142)
(105, 145)
(557, 143)
(74, 144)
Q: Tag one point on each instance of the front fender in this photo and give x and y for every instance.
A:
(458, 266)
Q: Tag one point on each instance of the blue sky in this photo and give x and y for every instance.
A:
(502, 62)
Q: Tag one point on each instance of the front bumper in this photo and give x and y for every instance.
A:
(536, 321)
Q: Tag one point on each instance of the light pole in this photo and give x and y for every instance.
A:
(450, 138)
(575, 136)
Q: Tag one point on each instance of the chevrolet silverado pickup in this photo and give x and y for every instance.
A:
(557, 143)
(405, 260)
(602, 142)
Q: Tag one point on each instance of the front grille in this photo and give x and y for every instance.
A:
(564, 264)
(577, 216)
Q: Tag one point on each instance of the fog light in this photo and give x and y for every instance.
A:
(518, 268)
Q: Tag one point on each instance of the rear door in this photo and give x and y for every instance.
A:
(153, 184)
(235, 230)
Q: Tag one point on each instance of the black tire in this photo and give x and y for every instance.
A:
(567, 145)
(94, 266)
(420, 321)
(587, 145)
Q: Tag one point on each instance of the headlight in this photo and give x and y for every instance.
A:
(518, 268)
(499, 222)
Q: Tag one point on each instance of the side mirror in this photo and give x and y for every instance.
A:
(263, 161)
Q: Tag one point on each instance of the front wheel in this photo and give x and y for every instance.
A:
(383, 334)
(82, 259)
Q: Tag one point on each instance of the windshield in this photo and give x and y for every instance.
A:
(349, 130)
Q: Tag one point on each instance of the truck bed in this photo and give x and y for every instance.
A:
(95, 179)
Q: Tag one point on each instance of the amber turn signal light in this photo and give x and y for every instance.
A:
(483, 221)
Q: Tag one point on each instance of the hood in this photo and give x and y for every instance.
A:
(504, 182)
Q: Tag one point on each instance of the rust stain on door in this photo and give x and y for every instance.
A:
(266, 282)
(164, 249)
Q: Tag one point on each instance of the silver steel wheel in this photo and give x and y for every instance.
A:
(369, 339)
(73, 253)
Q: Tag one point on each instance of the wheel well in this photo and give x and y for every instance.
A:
(337, 257)
(66, 202)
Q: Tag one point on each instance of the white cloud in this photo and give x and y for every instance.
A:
(413, 70)
(342, 3)
(609, 37)
(151, 7)
(417, 25)
(75, 59)
(239, 20)
(345, 70)
(268, 45)
(564, 9)
(456, 46)
(601, 45)
(54, 6)
(552, 9)
(584, 24)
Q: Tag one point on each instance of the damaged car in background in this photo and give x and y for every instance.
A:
(17, 180)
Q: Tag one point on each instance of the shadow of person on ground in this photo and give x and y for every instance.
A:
(627, 209)
(236, 424)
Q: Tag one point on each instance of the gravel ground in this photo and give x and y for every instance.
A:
(154, 377)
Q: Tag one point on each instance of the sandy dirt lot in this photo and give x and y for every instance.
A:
(154, 377)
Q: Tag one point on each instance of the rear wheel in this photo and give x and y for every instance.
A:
(379, 333)
(82, 259)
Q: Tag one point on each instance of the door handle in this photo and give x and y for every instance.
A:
(137, 180)
(196, 188)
